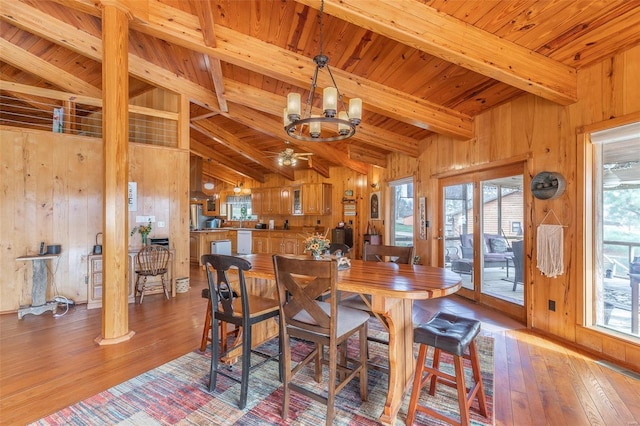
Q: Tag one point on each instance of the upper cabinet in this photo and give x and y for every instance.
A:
(305, 199)
(211, 207)
(316, 198)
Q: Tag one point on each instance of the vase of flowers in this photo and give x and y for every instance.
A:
(316, 244)
(144, 231)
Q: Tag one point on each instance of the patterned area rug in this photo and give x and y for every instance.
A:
(176, 394)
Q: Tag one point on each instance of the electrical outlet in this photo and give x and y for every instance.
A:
(552, 305)
(160, 224)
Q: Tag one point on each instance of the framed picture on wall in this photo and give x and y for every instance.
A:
(374, 205)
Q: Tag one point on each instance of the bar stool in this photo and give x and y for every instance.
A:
(454, 335)
(206, 331)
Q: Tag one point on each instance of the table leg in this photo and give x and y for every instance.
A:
(401, 358)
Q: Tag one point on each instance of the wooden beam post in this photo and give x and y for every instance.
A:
(115, 139)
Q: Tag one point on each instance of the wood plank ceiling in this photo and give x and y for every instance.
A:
(420, 66)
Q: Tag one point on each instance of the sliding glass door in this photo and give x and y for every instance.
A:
(458, 218)
(482, 236)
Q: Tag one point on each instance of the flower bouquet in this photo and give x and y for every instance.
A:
(316, 244)
(143, 230)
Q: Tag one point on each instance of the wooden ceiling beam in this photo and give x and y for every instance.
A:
(229, 140)
(360, 153)
(424, 28)
(36, 22)
(30, 19)
(220, 173)
(32, 64)
(183, 29)
(206, 152)
(206, 17)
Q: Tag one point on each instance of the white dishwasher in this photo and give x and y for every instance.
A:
(244, 241)
(221, 247)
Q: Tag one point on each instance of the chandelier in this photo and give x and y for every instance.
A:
(309, 126)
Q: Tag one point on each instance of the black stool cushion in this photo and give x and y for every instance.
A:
(447, 332)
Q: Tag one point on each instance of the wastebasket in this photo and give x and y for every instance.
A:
(182, 285)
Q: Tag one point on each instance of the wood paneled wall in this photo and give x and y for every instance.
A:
(544, 134)
(52, 191)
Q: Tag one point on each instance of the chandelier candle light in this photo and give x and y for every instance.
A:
(308, 127)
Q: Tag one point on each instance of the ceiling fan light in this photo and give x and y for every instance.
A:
(209, 186)
(610, 179)
(238, 188)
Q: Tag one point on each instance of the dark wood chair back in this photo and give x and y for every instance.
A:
(243, 311)
(217, 266)
(379, 253)
(300, 283)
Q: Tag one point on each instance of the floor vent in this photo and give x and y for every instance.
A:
(619, 369)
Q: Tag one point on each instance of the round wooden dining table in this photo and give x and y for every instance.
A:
(392, 288)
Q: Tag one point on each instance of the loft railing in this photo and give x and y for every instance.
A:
(61, 112)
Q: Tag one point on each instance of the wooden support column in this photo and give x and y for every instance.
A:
(184, 121)
(115, 131)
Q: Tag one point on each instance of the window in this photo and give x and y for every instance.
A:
(616, 229)
(402, 212)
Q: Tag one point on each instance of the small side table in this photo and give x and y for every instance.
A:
(39, 302)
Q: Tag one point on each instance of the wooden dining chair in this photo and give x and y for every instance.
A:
(378, 253)
(152, 261)
(382, 253)
(242, 311)
(345, 249)
(300, 281)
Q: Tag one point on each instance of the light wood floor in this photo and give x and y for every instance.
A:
(49, 363)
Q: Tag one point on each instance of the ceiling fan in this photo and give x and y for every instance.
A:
(288, 157)
(623, 173)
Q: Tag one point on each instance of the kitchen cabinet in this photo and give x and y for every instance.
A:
(283, 243)
(286, 205)
(306, 199)
(232, 235)
(296, 200)
(316, 198)
(257, 196)
(268, 201)
(193, 249)
(203, 243)
(94, 296)
(260, 242)
(211, 206)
